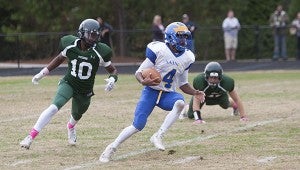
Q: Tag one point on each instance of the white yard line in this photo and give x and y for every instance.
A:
(180, 143)
(20, 162)
(266, 159)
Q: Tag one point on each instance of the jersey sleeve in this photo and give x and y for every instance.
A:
(198, 82)
(228, 83)
(145, 64)
(105, 52)
(152, 49)
(150, 54)
(66, 41)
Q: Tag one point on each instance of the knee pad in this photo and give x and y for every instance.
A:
(179, 104)
(53, 109)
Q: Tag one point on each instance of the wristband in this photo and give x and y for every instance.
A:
(115, 76)
(44, 71)
(197, 115)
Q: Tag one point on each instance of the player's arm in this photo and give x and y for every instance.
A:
(235, 97)
(58, 60)
(147, 81)
(188, 89)
(113, 72)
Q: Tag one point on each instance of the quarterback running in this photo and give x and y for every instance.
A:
(172, 60)
(84, 55)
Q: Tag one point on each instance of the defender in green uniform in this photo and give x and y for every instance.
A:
(85, 54)
(216, 87)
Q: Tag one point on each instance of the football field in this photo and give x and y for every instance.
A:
(270, 140)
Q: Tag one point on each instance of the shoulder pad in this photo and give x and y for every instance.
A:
(67, 40)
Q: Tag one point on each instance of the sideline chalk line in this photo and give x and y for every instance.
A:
(180, 143)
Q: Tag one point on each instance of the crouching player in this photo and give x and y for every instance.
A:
(216, 87)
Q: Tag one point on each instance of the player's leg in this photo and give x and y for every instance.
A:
(225, 102)
(80, 104)
(173, 102)
(234, 43)
(63, 95)
(234, 106)
(184, 112)
(191, 113)
(227, 47)
(143, 109)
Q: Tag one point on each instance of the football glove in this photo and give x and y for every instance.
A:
(110, 84)
(40, 75)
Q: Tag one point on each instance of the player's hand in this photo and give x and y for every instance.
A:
(200, 95)
(40, 75)
(244, 119)
(150, 82)
(110, 84)
(36, 78)
(199, 121)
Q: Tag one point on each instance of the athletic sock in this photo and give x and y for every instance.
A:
(72, 122)
(124, 135)
(33, 133)
(45, 117)
(171, 117)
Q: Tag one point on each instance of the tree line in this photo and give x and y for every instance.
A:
(131, 20)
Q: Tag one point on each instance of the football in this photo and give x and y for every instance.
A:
(152, 72)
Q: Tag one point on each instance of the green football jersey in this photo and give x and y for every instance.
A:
(226, 85)
(83, 65)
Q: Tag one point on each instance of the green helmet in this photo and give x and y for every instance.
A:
(89, 31)
(213, 69)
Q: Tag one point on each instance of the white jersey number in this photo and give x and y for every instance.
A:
(79, 73)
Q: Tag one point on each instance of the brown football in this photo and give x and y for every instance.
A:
(152, 72)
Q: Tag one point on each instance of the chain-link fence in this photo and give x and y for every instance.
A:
(255, 42)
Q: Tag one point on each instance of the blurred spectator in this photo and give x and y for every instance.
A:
(295, 30)
(192, 27)
(158, 29)
(278, 21)
(106, 29)
(231, 27)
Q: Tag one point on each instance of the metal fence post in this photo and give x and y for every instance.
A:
(257, 40)
(18, 50)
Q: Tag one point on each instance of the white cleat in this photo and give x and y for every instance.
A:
(72, 136)
(26, 142)
(157, 141)
(107, 154)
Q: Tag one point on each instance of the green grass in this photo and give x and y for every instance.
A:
(267, 95)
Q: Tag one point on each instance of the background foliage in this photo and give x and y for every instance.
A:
(31, 28)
